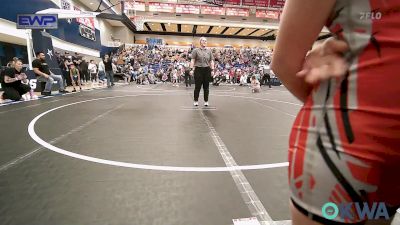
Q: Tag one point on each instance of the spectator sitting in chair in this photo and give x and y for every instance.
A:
(13, 88)
(126, 74)
(242, 78)
(43, 74)
(152, 78)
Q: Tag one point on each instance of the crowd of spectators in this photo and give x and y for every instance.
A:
(150, 65)
(147, 65)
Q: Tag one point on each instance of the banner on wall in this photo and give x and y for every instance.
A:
(203, 9)
(138, 6)
(161, 7)
(87, 32)
(66, 5)
(267, 14)
(276, 3)
(86, 26)
(187, 9)
(89, 22)
(210, 10)
(260, 3)
(232, 2)
(237, 12)
(249, 2)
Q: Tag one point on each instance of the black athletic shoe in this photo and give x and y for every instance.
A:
(46, 93)
(63, 91)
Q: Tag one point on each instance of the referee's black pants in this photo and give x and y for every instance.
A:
(202, 77)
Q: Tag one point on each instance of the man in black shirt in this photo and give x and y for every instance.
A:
(12, 85)
(109, 71)
(84, 71)
(266, 76)
(43, 74)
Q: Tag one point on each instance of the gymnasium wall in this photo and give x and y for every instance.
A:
(106, 32)
(124, 34)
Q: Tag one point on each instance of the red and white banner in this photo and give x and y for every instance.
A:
(187, 9)
(232, 2)
(267, 14)
(89, 22)
(237, 12)
(249, 2)
(138, 6)
(276, 3)
(161, 7)
(210, 10)
(261, 3)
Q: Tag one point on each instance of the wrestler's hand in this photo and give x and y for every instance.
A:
(21, 77)
(325, 61)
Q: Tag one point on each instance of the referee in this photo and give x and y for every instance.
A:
(203, 64)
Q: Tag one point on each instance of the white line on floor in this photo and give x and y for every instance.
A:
(282, 222)
(194, 108)
(55, 140)
(262, 99)
(255, 206)
(270, 107)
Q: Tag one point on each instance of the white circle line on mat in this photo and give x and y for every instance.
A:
(35, 137)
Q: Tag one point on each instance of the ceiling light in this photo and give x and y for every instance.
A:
(91, 3)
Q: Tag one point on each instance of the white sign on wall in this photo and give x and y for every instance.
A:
(65, 4)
